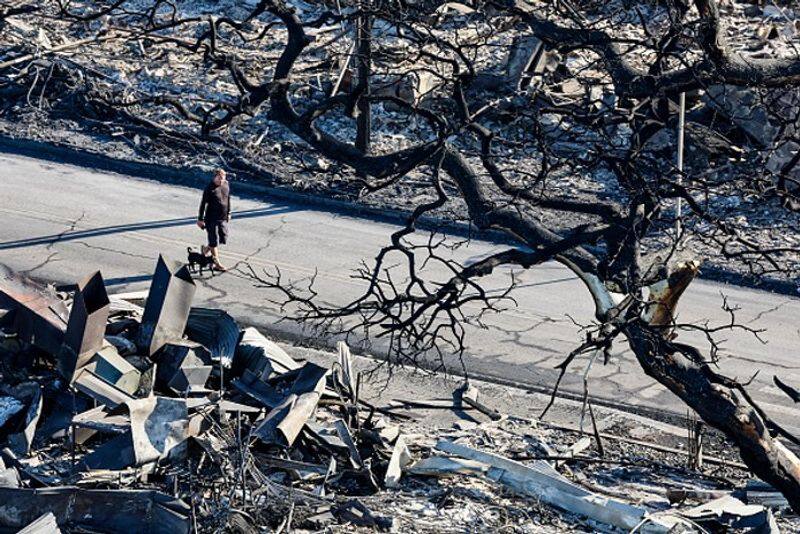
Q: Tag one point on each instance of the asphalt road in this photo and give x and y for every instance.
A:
(60, 222)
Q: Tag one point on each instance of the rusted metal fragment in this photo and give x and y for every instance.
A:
(97, 510)
(86, 326)
(215, 330)
(39, 317)
(167, 307)
(159, 428)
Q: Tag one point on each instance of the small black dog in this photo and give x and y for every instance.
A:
(199, 261)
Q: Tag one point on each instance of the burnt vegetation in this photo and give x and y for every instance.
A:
(552, 123)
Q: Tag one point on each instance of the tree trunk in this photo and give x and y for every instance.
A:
(720, 403)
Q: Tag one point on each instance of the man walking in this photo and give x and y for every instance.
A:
(215, 213)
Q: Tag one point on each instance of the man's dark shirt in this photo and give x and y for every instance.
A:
(216, 203)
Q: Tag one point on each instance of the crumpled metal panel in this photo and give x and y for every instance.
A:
(261, 356)
(145, 511)
(21, 442)
(183, 366)
(216, 330)
(159, 426)
(114, 369)
(100, 390)
(284, 423)
(39, 317)
(86, 326)
(168, 303)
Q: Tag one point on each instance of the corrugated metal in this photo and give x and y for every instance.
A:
(215, 330)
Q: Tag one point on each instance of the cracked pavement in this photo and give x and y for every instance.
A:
(61, 222)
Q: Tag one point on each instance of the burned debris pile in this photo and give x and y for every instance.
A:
(170, 418)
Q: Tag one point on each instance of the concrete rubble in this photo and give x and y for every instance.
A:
(207, 426)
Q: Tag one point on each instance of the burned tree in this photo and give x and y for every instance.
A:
(566, 147)
(621, 102)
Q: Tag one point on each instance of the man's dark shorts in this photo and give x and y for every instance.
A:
(217, 233)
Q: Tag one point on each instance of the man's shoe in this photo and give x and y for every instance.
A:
(218, 266)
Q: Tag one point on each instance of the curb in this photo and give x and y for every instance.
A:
(248, 183)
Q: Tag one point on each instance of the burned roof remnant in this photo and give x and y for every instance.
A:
(167, 307)
(86, 326)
